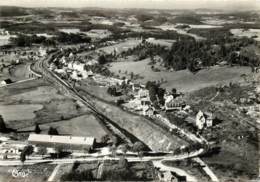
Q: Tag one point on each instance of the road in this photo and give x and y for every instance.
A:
(42, 67)
(53, 174)
(101, 158)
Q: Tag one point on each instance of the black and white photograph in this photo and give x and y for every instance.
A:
(129, 90)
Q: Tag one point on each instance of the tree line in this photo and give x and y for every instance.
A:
(23, 40)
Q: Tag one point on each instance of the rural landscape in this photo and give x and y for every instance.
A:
(96, 94)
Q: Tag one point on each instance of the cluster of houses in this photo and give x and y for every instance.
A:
(141, 104)
(75, 69)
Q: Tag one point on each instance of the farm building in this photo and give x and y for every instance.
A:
(64, 143)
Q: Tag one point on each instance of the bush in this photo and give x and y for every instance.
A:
(78, 176)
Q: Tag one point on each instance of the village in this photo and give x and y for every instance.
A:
(151, 95)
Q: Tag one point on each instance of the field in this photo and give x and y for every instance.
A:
(247, 33)
(38, 102)
(184, 80)
(13, 112)
(121, 46)
(86, 125)
(162, 42)
(43, 104)
(10, 70)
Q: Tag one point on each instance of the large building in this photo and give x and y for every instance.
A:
(64, 143)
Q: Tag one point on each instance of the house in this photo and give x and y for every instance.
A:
(173, 104)
(143, 93)
(65, 143)
(200, 120)
(209, 118)
(136, 87)
(6, 82)
(204, 119)
(167, 176)
(42, 52)
(148, 111)
(145, 101)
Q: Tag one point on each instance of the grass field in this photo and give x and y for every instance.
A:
(13, 112)
(123, 46)
(85, 125)
(247, 33)
(39, 102)
(184, 80)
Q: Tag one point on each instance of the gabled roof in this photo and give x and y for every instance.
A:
(73, 140)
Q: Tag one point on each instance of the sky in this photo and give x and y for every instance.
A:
(153, 4)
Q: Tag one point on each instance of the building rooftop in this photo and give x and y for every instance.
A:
(73, 140)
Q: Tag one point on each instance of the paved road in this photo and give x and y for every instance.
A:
(207, 170)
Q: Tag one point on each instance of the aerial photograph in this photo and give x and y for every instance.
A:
(129, 90)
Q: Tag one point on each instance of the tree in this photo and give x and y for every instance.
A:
(78, 176)
(174, 91)
(124, 148)
(22, 157)
(53, 131)
(37, 129)
(123, 162)
(42, 150)
(138, 147)
(2, 124)
(153, 88)
(102, 59)
(131, 75)
(161, 93)
(112, 91)
(105, 139)
(27, 150)
(115, 140)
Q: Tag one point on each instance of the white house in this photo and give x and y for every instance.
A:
(142, 93)
(200, 120)
(42, 52)
(204, 119)
(209, 118)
